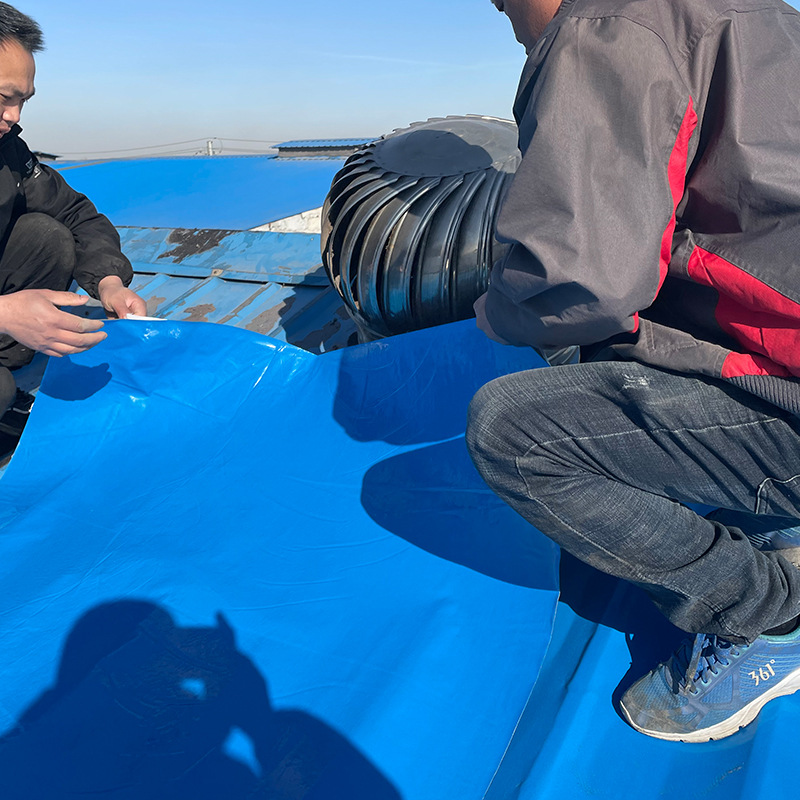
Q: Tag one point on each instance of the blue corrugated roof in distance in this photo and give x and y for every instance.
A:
(225, 192)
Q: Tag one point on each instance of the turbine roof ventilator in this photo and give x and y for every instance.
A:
(408, 225)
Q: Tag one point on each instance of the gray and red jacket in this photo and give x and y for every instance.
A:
(656, 210)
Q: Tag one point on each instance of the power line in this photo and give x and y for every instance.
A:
(143, 147)
(241, 150)
(259, 141)
(187, 151)
(184, 152)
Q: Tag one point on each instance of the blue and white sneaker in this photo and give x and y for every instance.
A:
(710, 688)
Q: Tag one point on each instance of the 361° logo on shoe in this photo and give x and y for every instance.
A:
(764, 673)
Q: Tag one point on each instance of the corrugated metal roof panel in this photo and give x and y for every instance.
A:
(235, 255)
(162, 292)
(269, 283)
(211, 300)
(310, 317)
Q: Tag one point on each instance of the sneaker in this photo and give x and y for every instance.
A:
(710, 687)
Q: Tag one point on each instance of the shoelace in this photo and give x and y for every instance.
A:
(699, 659)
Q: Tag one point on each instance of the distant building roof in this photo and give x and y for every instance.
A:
(323, 143)
(303, 148)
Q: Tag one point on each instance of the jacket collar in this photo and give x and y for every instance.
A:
(12, 134)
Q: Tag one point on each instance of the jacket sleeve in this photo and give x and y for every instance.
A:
(97, 242)
(591, 210)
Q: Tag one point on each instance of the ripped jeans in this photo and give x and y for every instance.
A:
(601, 457)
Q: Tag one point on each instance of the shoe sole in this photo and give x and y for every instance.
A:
(744, 716)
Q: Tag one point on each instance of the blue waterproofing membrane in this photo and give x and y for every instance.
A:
(236, 569)
(224, 192)
(570, 741)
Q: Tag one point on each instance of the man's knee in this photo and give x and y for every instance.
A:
(479, 419)
(47, 240)
(39, 254)
(489, 434)
(508, 421)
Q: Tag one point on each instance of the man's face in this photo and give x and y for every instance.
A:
(528, 17)
(17, 71)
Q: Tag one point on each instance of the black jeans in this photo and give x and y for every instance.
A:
(601, 457)
(37, 252)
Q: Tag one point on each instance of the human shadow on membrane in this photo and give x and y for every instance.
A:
(413, 392)
(143, 708)
(434, 498)
(618, 604)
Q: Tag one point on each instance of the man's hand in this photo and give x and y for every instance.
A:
(118, 300)
(33, 318)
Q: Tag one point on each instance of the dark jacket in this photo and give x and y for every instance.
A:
(28, 186)
(656, 211)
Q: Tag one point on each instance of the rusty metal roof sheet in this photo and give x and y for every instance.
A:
(270, 283)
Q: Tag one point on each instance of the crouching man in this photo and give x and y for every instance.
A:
(49, 234)
(655, 221)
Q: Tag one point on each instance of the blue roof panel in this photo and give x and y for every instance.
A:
(263, 281)
(230, 192)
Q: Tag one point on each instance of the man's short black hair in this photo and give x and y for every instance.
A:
(14, 25)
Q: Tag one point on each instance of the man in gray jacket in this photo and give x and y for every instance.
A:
(49, 234)
(655, 222)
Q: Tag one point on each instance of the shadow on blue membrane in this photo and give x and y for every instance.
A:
(417, 388)
(144, 708)
(434, 498)
(75, 381)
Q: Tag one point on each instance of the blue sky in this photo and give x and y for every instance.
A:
(126, 75)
